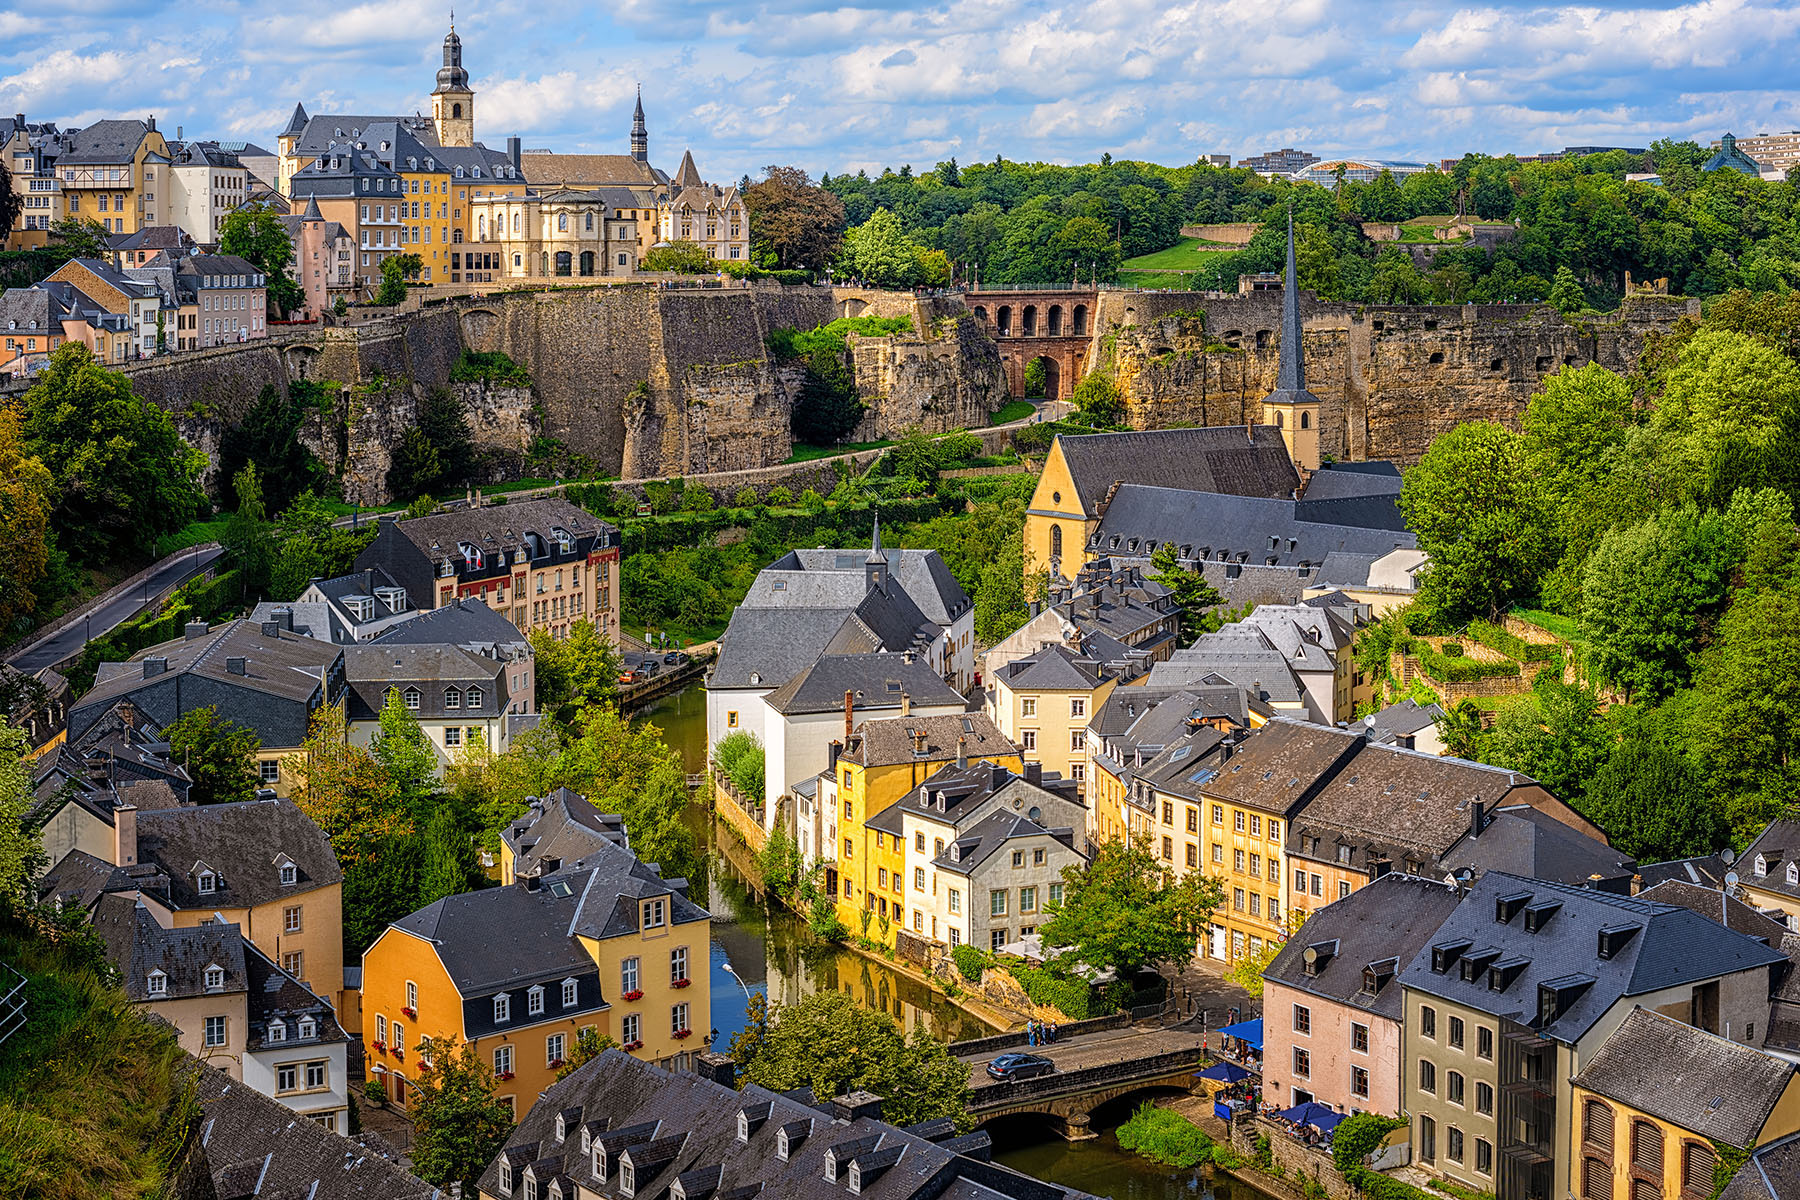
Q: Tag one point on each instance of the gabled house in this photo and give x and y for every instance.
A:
(1332, 1003)
(1519, 990)
(1134, 725)
(600, 943)
(562, 826)
(1769, 871)
(459, 699)
(1043, 701)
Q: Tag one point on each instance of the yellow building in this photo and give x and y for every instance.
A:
(1658, 1099)
(116, 172)
(1769, 871)
(884, 761)
(520, 972)
(1043, 702)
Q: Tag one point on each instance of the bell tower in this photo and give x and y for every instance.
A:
(1290, 407)
(453, 101)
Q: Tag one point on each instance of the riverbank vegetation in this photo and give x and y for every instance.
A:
(1166, 1137)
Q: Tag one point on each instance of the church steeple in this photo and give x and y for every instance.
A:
(875, 566)
(453, 100)
(640, 134)
(1290, 407)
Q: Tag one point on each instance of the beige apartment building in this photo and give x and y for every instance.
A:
(1042, 704)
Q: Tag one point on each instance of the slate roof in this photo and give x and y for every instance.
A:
(632, 1105)
(313, 619)
(966, 790)
(372, 670)
(1054, 668)
(276, 996)
(1245, 657)
(1404, 719)
(765, 647)
(137, 946)
(1525, 841)
(922, 574)
(502, 526)
(879, 682)
(512, 936)
(1667, 946)
(257, 1146)
(29, 310)
(1773, 1173)
(103, 142)
(563, 826)
(989, 836)
(1706, 870)
(591, 170)
(78, 881)
(1690, 1078)
(1779, 847)
(1226, 460)
(1244, 529)
(241, 843)
(1382, 924)
(891, 740)
(467, 623)
(1716, 905)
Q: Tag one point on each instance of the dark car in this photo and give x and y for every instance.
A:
(1019, 1066)
(674, 658)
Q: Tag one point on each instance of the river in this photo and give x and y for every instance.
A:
(773, 954)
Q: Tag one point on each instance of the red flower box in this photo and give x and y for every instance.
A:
(635, 995)
(680, 983)
(381, 1047)
(681, 1033)
(411, 1015)
(630, 1046)
(556, 1064)
(504, 1076)
(400, 1054)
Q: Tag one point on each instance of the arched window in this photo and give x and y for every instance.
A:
(481, 228)
(1305, 420)
(456, 111)
(1056, 541)
(562, 222)
(564, 261)
(587, 262)
(515, 222)
(1647, 1149)
(590, 222)
(1281, 420)
(456, 237)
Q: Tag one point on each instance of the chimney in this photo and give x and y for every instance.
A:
(151, 123)
(849, 714)
(285, 618)
(271, 629)
(1034, 774)
(125, 846)
(178, 133)
(514, 152)
(919, 742)
(962, 752)
(368, 587)
(194, 629)
(531, 882)
(154, 667)
(905, 703)
(710, 1064)
(834, 752)
(1477, 816)
(856, 1106)
(235, 666)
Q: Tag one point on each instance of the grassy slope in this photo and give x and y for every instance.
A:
(1188, 254)
(91, 1104)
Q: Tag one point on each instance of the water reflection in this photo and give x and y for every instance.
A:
(1101, 1166)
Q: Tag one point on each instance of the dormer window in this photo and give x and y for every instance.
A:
(288, 874)
(743, 1126)
(568, 993)
(1762, 866)
(1793, 873)
(534, 1001)
(157, 984)
(502, 1008)
(452, 698)
(215, 978)
(627, 1178)
(208, 883)
(562, 1129)
(309, 1028)
(506, 1179)
(412, 696)
(277, 1032)
(473, 696)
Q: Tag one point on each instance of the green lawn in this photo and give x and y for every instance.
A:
(191, 535)
(1555, 624)
(1188, 254)
(1012, 410)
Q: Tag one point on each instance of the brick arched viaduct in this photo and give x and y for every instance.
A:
(1054, 325)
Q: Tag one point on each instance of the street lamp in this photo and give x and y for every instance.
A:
(739, 978)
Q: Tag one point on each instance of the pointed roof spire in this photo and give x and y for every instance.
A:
(876, 554)
(638, 115)
(297, 122)
(312, 212)
(688, 175)
(1291, 376)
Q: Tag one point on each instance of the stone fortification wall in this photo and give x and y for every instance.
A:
(1389, 379)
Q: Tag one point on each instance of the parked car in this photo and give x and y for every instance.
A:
(1019, 1066)
(674, 658)
(649, 666)
(629, 675)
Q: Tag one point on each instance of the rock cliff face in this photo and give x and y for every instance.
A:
(1390, 379)
(948, 379)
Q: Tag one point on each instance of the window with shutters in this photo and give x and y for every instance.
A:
(1643, 1189)
(1596, 1180)
(1697, 1162)
(1647, 1148)
(1597, 1126)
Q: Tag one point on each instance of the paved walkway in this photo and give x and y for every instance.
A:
(102, 616)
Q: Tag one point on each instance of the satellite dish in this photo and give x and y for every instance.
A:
(1731, 879)
(1728, 856)
(1310, 954)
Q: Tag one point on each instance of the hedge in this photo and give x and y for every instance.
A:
(1166, 1137)
(1455, 669)
(791, 527)
(1070, 997)
(1510, 644)
(969, 961)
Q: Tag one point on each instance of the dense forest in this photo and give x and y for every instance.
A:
(1649, 519)
(1034, 223)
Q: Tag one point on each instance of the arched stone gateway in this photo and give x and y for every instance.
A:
(481, 329)
(299, 359)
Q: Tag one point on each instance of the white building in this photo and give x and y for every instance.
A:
(209, 184)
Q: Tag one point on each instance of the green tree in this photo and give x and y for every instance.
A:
(27, 545)
(1192, 594)
(80, 237)
(1125, 910)
(122, 476)
(1554, 734)
(395, 270)
(580, 669)
(12, 203)
(1461, 729)
(879, 253)
(1481, 515)
(458, 1125)
(1728, 415)
(683, 258)
(218, 753)
(739, 756)
(1565, 291)
(21, 853)
(1397, 280)
(793, 223)
(248, 537)
(297, 563)
(269, 436)
(403, 752)
(255, 233)
(447, 855)
(833, 1045)
(1650, 799)
(415, 468)
(1098, 399)
(1747, 730)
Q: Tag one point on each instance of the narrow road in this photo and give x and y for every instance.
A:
(103, 616)
(1098, 1049)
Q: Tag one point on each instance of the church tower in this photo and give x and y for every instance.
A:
(1290, 407)
(453, 101)
(640, 134)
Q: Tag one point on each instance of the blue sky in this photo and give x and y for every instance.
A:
(835, 88)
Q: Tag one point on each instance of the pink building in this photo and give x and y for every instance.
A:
(323, 259)
(1332, 1005)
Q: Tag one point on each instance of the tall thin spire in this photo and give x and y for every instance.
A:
(640, 133)
(876, 555)
(1291, 375)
